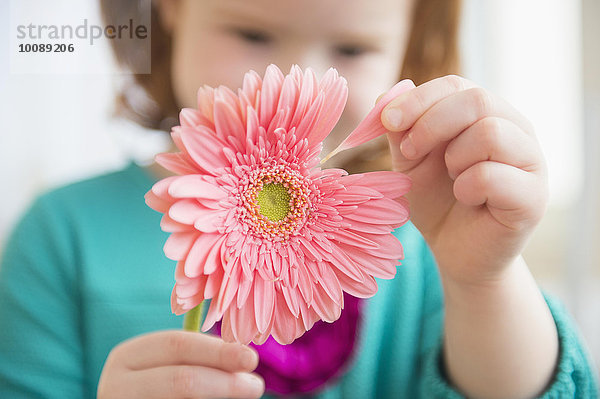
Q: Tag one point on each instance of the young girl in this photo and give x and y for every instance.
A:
(84, 285)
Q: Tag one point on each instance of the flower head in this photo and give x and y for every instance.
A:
(256, 225)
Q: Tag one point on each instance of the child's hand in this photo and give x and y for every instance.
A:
(180, 364)
(479, 178)
(479, 188)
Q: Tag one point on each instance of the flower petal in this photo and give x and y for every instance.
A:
(269, 95)
(365, 289)
(330, 283)
(171, 226)
(327, 310)
(380, 211)
(195, 186)
(178, 244)
(228, 122)
(390, 184)
(285, 324)
(371, 127)
(306, 96)
(157, 203)
(292, 299)
(229, 287)
(175, 163)
(335, 90)
(373, 265)
(213, 282)
(206, 99)
(243, 323)
(192, 118)
(389, 247)
(264, 302)
(355, 239)
(198, 254)
(186, 211)
(205, 149)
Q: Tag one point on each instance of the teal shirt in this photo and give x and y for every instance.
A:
(84, 270)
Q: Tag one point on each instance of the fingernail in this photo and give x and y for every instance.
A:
(393, 117)
(251, 381)
(248, 359)
(407, 147)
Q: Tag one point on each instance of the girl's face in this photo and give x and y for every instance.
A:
(216, 41)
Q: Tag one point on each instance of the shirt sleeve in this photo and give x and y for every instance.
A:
(40, 339)
(574, 376)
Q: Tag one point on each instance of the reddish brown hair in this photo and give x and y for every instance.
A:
(432, 52)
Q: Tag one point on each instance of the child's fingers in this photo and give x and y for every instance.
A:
(513, 196)
(182, 347)
(191, 382)
(493, 139)
(401, 113)
(449, 117)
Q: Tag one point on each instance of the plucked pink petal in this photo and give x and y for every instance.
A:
(271, 277)
(371, 127)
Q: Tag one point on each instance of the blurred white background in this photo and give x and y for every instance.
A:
(543, 56)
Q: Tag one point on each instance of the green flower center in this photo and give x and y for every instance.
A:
(274, 201)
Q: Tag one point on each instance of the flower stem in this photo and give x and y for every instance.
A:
(191, 320)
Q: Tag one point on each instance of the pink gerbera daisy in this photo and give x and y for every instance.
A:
(256, 225)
